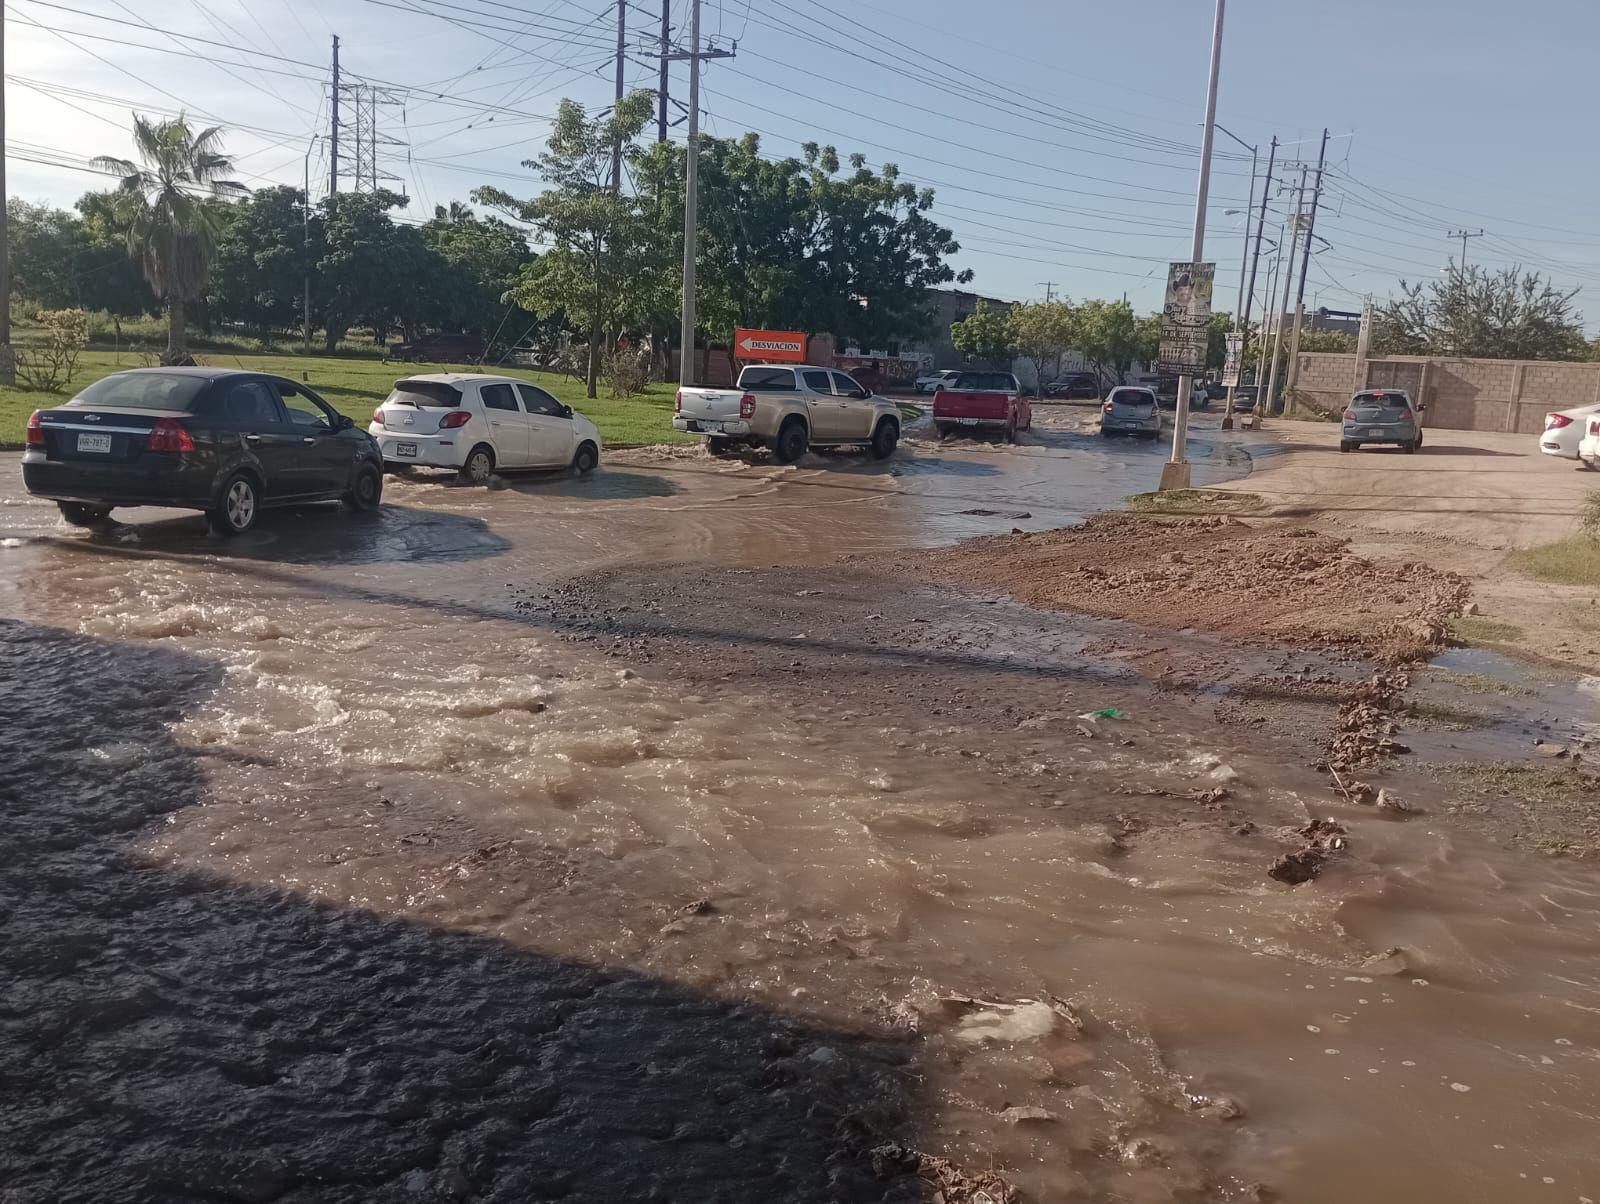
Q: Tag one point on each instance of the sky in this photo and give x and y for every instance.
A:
(1061, 139)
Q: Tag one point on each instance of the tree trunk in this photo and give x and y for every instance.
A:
(592, 373)
(177, 333)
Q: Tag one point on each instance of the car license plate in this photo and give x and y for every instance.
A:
(94, 443)
(405, 449)
(1374, 431)
(967, 421)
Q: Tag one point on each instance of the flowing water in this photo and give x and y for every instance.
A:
(724, 870)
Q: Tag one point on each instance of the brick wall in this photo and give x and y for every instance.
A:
(1461, 394)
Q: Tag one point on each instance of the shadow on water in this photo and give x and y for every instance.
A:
(168, 1035)
(315, 535)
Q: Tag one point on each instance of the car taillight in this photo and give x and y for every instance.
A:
(168, 435)
(1554, 422)
(747, 406)
(1349, 415)
(1407, 416)
(35, 431)
(677, 402)
(1594, 426)
(1109, 408)
(377, 416)
(454, 420)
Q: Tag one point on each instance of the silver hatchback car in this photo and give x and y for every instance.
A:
(1131, 411)
(1381, 416)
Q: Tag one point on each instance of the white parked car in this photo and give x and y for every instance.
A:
(1564, 430)
(477, 424)
(932, 382)
(1589, 445)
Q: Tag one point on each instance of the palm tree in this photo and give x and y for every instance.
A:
(172, 222)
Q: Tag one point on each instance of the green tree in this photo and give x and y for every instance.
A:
(359, 273)
(1506, 314)
(482, 259)
(46, 246)
(599, 235)
(986, 336)
(1108, 337)
(1043, 332)
(263, 256)
(172, 222)
(107, 278)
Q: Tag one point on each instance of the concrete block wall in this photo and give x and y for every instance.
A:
(1461, 394)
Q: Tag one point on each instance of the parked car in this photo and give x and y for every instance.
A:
(1564, 430)
(1131, 411)
(1082, 385)
(224, 442)
(478, 424)
(1381, 416)
(440, 349)
(1244, 397)
(932, 382)
(1200, 394)
(789, 408)
(1589, 445)
(990, 401)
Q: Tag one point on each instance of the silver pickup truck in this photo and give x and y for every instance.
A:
(790, 407)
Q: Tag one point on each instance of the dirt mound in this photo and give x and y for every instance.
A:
(1215, 574)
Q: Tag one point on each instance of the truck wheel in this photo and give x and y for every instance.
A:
(791, 442)
(885, 438)
(1009, 435)
(942, 429)
(719, 447)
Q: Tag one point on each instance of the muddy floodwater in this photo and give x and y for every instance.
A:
(645, 837)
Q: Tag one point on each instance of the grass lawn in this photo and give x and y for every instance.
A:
(1574, 560)
(356, 386)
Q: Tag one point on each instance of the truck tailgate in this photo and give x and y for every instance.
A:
(948, 404)
(709, 405)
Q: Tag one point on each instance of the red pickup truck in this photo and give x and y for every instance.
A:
(982, 401)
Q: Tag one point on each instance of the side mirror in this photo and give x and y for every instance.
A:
(346, 422)
(1422, 408)
(566, 411)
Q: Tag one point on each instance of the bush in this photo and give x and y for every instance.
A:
(54, 362)
(1589, 516)
(626, 370)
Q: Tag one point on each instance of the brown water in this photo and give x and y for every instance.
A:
(362, 859)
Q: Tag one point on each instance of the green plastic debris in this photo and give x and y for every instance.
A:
(1105, 713)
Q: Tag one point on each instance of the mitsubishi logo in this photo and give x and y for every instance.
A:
(91, 417)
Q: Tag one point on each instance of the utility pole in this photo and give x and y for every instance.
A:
(691, 185)
(1293, 371)
(1241, 311)
(305, 236)
(8, 359)
(622, 51)
(1255, 262)
(1463, 235)
(1293, 222)
(1049, 290)
(1175, 473)
(333, 127)
(665, 80)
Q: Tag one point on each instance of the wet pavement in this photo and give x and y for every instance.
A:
(613, 839)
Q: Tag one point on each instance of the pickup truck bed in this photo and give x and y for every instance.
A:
(982, 401)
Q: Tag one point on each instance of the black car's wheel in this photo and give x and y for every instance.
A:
(586, 459)
(1151, 436)
(237, 505)
(366, 491)
(885, 439)
(791, 442)
(479, 465)
(1345, 445)
(1412, 446)
(80, 515)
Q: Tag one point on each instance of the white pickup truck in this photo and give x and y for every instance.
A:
(790, 407)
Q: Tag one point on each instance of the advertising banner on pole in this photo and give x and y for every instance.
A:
(1184, 317)
(1232, 364)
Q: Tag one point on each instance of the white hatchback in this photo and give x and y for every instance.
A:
(478, 424)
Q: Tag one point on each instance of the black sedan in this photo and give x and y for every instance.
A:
(224, 442)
